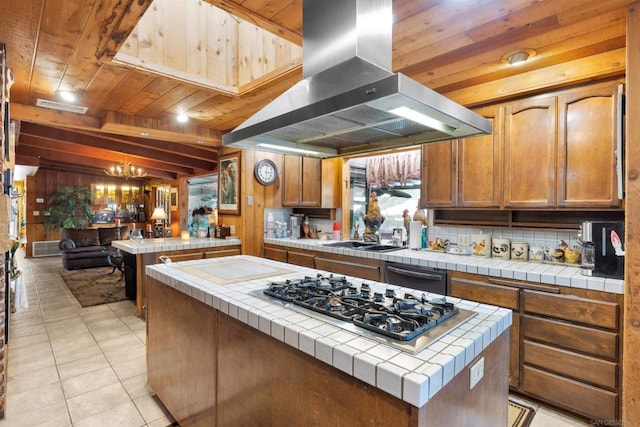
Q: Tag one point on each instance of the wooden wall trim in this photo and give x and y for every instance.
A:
(631, 333)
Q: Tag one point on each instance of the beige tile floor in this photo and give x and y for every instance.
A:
(74, 366)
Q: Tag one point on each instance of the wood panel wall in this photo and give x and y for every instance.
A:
(631, 331)
(216, 50)
(46, 182)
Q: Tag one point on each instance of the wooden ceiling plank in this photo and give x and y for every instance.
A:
(597, 32)
(610, 63)
(258, 20)
(125, 89)
(121, 20)
(145, 97)
(166, 102)
(23, 27)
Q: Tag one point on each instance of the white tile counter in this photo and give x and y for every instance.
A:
(414, 378)
(561, 275)
(170, 244)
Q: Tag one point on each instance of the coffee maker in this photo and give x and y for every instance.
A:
(295, 225)
(603, 249)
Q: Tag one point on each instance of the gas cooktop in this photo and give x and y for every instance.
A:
(405, 321)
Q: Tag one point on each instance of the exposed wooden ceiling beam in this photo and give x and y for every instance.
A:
(99, 154)
(144, 150)
(257, 20)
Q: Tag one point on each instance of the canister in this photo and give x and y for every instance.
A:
(500, 248)
(520, 251)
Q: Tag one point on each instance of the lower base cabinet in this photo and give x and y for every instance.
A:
(566, 343)
(364, 268)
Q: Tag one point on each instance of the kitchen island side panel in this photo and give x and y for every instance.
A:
(263, 382)
(181, 354)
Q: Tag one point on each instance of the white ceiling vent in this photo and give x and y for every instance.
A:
(61, 106)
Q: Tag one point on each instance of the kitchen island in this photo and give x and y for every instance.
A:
(220, 353)
(138, 253)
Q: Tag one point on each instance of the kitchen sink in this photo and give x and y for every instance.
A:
(354, 244)
(363, 246)
(380, 248)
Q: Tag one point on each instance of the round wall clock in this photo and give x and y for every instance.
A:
(266, 172)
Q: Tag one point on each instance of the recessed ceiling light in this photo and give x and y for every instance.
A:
(67, 96)
(182, 118)
(144, 133)
(518, 57)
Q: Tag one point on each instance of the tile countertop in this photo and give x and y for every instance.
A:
(414, 378)
(170, 244)
(561, 275)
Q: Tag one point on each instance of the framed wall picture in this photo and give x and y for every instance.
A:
(173, 198)
(229, 184)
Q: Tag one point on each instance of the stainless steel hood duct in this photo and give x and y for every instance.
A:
(348, 101)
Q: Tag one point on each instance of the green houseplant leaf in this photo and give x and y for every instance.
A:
(70, 207)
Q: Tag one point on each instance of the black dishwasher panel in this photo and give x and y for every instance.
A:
(426, 279)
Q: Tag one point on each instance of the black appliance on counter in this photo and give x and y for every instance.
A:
(603, 249)
(426, 279)
(410, 321)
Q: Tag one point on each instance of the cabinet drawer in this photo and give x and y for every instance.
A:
(566, 363)
(591, 402)
(221, 253)
(301, 259)
(568, 307)
(176, 257)
(275, 254)
(370, 272)
(487, 293)
(574, 337)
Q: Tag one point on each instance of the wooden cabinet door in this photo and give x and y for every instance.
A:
(311, 178)
(439, 174)
(301, 181)
(530, 153)
(587, 126)
(291, 185)
(480, 165)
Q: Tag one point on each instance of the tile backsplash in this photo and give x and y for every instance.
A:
(537, 238)
(277, 218)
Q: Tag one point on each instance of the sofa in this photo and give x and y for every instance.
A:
(86, 248)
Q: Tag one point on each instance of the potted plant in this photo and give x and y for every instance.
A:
(70, 208)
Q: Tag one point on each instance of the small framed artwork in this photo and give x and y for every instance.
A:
(173, 198)
(229, 184)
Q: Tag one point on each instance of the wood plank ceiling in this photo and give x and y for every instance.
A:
(453, 46)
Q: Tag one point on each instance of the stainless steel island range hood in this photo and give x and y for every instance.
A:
(348, 101)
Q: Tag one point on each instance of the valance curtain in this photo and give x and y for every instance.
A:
(391, 168)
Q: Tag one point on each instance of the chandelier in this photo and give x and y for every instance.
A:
(125, 170)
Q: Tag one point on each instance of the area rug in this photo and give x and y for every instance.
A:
(94, 286)
(519, 415)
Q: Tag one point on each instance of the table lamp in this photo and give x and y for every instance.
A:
(159, 215)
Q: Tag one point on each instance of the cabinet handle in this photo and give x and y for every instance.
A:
(532, 286)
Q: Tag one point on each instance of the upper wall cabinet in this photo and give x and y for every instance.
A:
(530, 153)
(439, 174)
(552, 151)
(301, 177)
(480, 165)
(588, 122)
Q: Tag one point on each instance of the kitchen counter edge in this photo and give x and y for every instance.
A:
(552, 274)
